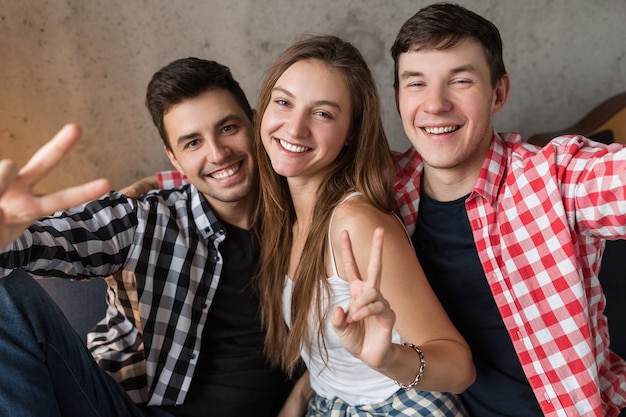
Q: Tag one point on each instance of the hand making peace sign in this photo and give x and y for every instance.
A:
(19, 207)
(365, 329)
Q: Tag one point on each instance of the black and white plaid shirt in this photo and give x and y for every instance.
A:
(161, 259)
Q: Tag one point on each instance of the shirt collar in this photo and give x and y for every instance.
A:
(492, 172)
(204, 217)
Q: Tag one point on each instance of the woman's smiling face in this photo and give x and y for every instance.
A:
(307, 120)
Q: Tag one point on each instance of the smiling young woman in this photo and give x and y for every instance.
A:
(325, 174)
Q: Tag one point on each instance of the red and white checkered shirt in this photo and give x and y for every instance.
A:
(171, 179)
(539, 217)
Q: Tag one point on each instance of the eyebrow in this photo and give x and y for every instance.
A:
(316, 103)
(453, 71)
(229, 117)
(185, 138)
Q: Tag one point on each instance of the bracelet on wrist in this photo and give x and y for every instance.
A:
(420, 372)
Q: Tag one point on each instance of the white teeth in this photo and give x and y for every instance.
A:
(293, 148)
(440, 130)
(226, 173)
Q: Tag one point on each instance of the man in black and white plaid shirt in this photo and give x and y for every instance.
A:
(181, 334)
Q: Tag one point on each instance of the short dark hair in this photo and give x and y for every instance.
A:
(187, 78)
(444, 25)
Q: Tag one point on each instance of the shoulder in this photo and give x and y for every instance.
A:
(170, 203)
(171, 196)
(569, 168)
(581, 147)
(359, 217)
(560, 148)
(358, 208)
(562, 154)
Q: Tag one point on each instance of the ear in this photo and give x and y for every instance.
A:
(173, 160)
(501, 94)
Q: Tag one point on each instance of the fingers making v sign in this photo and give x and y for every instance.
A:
(19, 207)
(365, 328)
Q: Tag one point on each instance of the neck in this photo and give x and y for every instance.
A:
(237, 213)
(449, 184)
(303, 197)
(442, 187)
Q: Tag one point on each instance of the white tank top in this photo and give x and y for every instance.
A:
(345, 376)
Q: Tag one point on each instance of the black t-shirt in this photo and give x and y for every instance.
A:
(445, 247)
(232, 377)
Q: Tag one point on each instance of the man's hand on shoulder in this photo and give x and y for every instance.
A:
(140, 187)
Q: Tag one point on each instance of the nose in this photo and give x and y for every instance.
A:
(217, 151)
(296, 124)
(436, 100)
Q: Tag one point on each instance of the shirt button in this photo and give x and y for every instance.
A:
(192, 356)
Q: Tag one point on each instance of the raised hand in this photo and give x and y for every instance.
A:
(365, 328)
(19, 207)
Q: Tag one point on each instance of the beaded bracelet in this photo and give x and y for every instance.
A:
(420, 372)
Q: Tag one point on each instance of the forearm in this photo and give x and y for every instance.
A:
(448, 366)
(141, 187)
(298, 400)
(76, 244)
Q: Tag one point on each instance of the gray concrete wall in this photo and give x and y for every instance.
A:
(89, 61)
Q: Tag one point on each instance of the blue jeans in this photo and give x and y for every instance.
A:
(45, 368)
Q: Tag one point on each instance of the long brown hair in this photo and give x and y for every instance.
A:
(364, 165)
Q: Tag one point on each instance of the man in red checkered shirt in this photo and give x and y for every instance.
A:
(510, 235)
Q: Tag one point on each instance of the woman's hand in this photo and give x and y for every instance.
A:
(19, 207)
(365, 328)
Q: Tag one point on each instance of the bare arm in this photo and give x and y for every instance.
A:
(389, 291)
(298, 400)
(140, 187)
(162, 180)
(19, 207)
